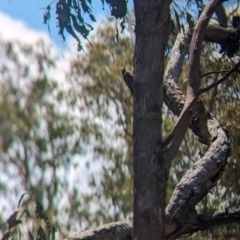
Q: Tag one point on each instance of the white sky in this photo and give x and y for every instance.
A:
(11, 29)
(16, 30)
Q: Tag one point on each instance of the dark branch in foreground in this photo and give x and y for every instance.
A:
(173, 141)
(221, 16)
(220, 35)
(228, 38)
(221, 80)
(123, 230)
(206, 221)
(112, 231)
(213, 72)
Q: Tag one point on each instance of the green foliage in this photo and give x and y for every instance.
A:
(38, 132)
(70, 15)
(28, 222)
(50, 126)
(107, 126)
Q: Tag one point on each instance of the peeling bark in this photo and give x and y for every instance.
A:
(112, 231)
(205, 173)
(196, 222)
(198, 180)
(220, 35)
(179, 51)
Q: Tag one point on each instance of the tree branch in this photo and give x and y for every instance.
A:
(205, 173)
(116, 230)
(221, 16)
(221, 80)
(200, 222)
(194, 81)
(199, 179)
(206, 221)
(227, 38)
(213, 72)
(123, 230)
(173, 97)
(220, 35)
(179, 50)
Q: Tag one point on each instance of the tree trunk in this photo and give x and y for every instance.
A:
(150, 173)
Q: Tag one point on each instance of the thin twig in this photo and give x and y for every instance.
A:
(209, 73)
(29, 200)
(219, 81)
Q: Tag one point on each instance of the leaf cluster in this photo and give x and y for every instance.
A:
(29, 221)
(71, 14)
(38, 136)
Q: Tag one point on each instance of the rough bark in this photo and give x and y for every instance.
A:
(204, 174)
(198, 181)
(196, 222)
(179, 51)
(149, 171)
(113, 231)
(218, 34)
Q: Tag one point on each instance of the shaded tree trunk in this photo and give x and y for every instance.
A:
(150, 174)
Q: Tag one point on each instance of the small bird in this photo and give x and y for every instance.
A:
(128, 79)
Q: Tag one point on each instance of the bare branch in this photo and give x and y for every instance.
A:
(193, 82)
(218, 218)
(172, 96)
(213, 72)
(221, 16)
(116, 230)
(219, 81)
(228, 38)
(220, 35)
(204, 174)
(179, 50)
(196, 222)
(199, 222)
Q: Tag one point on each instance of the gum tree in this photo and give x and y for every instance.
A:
(152, 155)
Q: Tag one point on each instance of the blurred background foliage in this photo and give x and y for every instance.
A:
(65, 133)
(68, 140)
